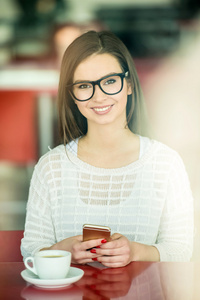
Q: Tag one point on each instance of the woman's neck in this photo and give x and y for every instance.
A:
(107, 139)
(110, 148)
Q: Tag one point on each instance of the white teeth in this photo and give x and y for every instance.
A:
(102, 109)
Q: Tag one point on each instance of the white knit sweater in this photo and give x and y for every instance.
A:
(149, 201)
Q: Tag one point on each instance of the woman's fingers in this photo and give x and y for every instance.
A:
(114, 261)
(116, 236)
(91, 244)
(116, 253)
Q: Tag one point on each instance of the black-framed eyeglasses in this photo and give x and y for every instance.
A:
(110, 85)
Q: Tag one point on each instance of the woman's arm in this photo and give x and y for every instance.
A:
(175, 236)
(39, 230)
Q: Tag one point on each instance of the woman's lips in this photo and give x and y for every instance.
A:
(102, 110)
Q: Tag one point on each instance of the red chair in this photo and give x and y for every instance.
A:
(10, 242)
(18, 123)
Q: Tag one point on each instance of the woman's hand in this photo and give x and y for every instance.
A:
(116, 253)
(78, 248)
(120, 252)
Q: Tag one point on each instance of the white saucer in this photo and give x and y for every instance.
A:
(74, 275)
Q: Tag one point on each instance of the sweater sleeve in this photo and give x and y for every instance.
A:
(39, 229)
(175, 236)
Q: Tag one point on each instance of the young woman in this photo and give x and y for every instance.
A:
(105, 171)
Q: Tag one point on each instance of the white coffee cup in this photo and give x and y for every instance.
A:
(49, 264)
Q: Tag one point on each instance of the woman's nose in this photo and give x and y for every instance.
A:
(99, 95)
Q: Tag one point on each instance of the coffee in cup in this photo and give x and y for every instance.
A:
(49, 264)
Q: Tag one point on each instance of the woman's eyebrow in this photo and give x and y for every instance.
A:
(85, 80)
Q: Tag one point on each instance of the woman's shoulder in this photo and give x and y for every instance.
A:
(54, 156)
(153, 148)
(53, 153)
(156, 145)
(162, 152)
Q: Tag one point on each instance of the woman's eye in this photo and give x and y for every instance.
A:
(84, 86)
(110, 81)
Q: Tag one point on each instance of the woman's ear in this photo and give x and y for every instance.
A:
(130, 88)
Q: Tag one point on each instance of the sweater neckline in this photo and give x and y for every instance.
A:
(138, 163)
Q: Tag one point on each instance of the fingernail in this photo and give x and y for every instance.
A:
(104, 241)
(93, 251)
(94, 258)
(98, 246)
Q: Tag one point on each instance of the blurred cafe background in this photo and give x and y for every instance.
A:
(163, 37)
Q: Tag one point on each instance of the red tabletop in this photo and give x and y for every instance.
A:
(138, 281)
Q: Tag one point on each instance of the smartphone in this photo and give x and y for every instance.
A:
(92, 232)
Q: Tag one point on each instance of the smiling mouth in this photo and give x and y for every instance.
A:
(102, 109)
